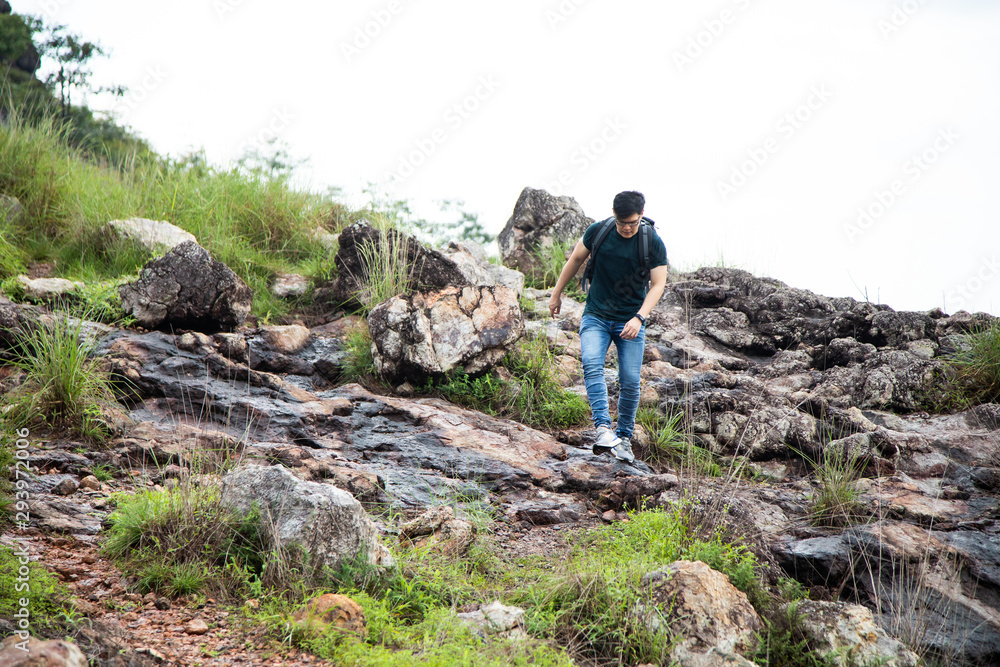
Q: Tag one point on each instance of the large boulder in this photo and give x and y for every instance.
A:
(431, 333)
(187, 288)
(153, 236)
(848, 635)
(690, 600)
(326, 523)
(361, 243)
(539, 220)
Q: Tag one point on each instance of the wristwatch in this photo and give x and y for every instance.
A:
(641, 318)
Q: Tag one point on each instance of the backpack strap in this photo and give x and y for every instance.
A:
(602, 233)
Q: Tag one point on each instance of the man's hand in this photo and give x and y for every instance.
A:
(555, 304)
(631, 329)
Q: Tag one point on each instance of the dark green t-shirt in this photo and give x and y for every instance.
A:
(619, 288)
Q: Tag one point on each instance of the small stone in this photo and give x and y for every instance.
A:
(162, 604)
(196, 626)
(65, 488)
(152, 653)
(609, 516)
(90, 483)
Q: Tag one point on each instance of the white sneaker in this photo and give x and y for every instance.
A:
(606, 440)
(623, 451)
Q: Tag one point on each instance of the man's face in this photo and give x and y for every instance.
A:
(628, 227)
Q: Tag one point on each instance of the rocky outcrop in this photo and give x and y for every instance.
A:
(539, 220)
(431, 333)
(690, 600)
(848, 635)
(187, 289)
(153, 236)
(321, 526)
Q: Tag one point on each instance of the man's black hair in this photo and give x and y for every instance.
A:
(628, 203)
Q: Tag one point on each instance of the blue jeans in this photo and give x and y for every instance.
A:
(596, 336)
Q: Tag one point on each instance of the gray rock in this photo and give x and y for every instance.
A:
(10, 209)
(478, 270)
(690, 600)
(539, 220)
(848, 635)
(48, 289)
(153, 236)
(497, 619)
(822, 561)
(323, 521)
(40, 653)
(425, 268)
(187, 288)
(289, 285)
(431, 333)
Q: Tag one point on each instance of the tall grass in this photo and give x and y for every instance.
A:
(977, 367)
(256, 225)
(386, 271)
(62, 386)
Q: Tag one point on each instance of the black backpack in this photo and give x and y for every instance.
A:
(645, 239)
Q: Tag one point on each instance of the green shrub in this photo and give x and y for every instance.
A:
(977, 367)
(358, 364)
(781, 644)
(837, 500)
(669, 444)
(47, 598)
(7, 439)
(182, 540)
(385, 270)
(550, 260)
(63, 387)
(531, 396)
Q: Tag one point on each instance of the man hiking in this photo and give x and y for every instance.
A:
(629, 272)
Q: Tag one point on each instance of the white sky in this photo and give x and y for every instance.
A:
(887, 80)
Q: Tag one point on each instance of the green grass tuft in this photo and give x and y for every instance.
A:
(977, 368)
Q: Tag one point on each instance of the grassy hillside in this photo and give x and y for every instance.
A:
(256, 224)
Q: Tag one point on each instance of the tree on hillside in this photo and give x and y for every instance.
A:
(72, 56)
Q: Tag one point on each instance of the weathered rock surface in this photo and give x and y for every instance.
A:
(431, 333)
(538, 220)
(48, 289)
(698, 604)
(848, 634)
(289, 285)
(323, 521)
(471, 260)
(40, 653)
(497, 619)
(331, 610)
(153, 236)
(440, 527)
(187, 288)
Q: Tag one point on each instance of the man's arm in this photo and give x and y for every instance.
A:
(569, 271)
(657, 283)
